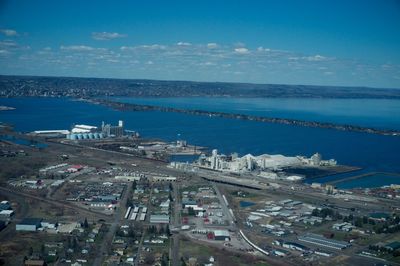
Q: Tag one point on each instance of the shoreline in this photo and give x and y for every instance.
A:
(263, 119)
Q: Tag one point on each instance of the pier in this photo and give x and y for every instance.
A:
(362, 176)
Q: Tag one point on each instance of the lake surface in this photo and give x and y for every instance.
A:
(377, 113)
(376, 180)
(24, 142)
(371, 152)
(245, 204)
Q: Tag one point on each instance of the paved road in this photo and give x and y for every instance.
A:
(225, 207)
(176, 222)
(118, 217)
(143, 232)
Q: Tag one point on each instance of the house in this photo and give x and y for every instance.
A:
(347, 227)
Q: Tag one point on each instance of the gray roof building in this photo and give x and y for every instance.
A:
(29, 224)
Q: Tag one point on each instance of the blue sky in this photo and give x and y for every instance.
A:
(354, 43)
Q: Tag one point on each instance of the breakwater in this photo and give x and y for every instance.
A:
(341, 127)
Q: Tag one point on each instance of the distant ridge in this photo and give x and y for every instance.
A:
(14, 86)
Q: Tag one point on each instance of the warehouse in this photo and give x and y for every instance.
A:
(6, 213)
(222, 235)
(128, 178)
(159, 219)
(322, 241)
(28, 224)
(295, 246)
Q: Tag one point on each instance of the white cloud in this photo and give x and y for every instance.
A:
(212, 60)
(183, 44)
(328, 73)
(242, 50)
(9, 32)
(8, 44)
(262, 49)
(208, 64)
(82, 48)
(106, 36)
(78, 48)
(316, 58)
(4, 52)
(212, 45)
(143, 47)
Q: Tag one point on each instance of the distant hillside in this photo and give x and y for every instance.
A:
(13, 86)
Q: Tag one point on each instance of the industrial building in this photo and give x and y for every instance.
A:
(163, 178)
(82, 132)
(295, 246)
(83, 129)
(128, 178)
(113, 131)
(322, 241)
(222, 235)
(159, 219)
(234, 163)
(52, 133)
(29, 224)
(80, 136)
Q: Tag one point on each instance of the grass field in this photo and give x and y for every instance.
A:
(203, 253)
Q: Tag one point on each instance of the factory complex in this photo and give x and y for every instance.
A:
(82, 132)
(234, 163)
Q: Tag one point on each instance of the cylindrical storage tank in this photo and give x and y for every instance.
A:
(85, 136)
(96, 135)
(80, 136)
(102, 135)
(91, 136)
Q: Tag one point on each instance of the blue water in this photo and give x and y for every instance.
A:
(24, 142)
(245, 204)
(372, 152)
(377, 113)
(377, 180)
